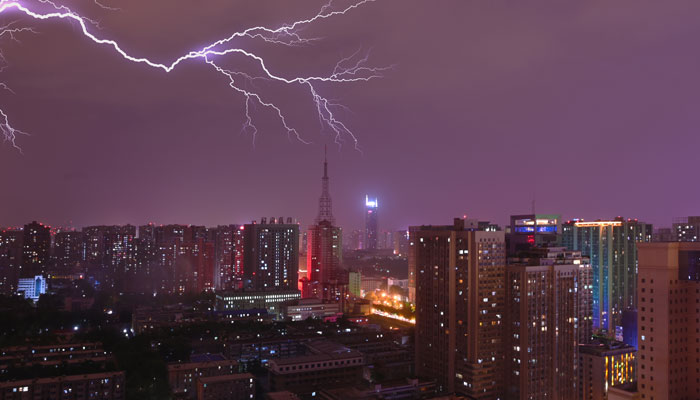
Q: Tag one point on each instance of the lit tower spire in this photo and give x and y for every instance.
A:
(325, 212)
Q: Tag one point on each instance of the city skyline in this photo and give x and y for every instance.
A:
(500, 213)
(124, 144)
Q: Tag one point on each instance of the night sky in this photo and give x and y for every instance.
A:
(591, 107)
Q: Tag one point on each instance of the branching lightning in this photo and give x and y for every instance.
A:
(354, 68)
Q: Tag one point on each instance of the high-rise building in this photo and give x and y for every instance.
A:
(325, 246)
(36, 245)
(68, 251)
(194, 267)
(400, 240)
(228, 242)
(120, 262)
(10, 259)
(459, 292)
(531, 230)
(371, 223)
(172, 234)
(356, 240)
(664, 235)
(668, 321)
(271, 254)
(148, 232)
(548, 296)
(686, 229)
(355, 283)
(94, 245)
(611, 247)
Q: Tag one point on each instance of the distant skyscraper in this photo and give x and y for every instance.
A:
(400, 243)
(459, 278)
(531, 230)
(35, 251)
(668, 321)
(120, 262)
(371, 224)
(686, 229)
(194, 267)
(325, 247)
(271, 254)
(229, 251)
(173, 233)
(10, 259)
(548, 297)
(68, 251)
(611, 247)
(94, 245)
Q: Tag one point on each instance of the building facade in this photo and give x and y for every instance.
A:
(611, 247)
(549, 314)
(371, 223)
(605, 364)
(36, 247)
(271, 255)
(531, 230)
(668, 321)
(686, 229)
(460, 299)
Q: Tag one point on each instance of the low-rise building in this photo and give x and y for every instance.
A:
(226, 387)
(182, 377)
(250, 300)
(301, 309)
(101, 386)
(603, 365)
(408, 389)
(327, 365)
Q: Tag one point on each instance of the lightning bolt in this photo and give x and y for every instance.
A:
(353, 68)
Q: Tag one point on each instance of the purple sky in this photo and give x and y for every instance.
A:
(592, 107)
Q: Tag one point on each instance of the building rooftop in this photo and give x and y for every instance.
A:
(604, 347)
(201, 364)
(207, 357)
(225, 378)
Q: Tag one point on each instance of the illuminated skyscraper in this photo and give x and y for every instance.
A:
(35, 250)
(371, 224)
(460, 300)
(10, 259)
(68, 251)
(548, 295)
(324, 253)
(611, 247)
(531, 230)
(271, 254)
(228, 242)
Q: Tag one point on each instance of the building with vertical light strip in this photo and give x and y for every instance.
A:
(459, 308)
(611, 247)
